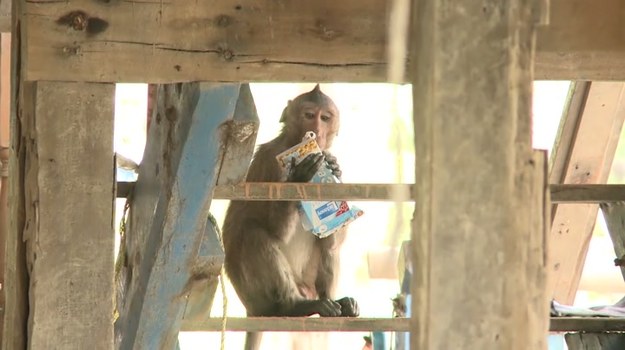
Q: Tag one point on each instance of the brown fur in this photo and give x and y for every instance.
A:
(276, 268)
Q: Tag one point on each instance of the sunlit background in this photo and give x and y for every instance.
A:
(375, 145)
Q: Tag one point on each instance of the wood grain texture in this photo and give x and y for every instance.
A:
(588, 161)
(363, 324)
(476, 279)
(240, 139)
(223, 40)
(264, 40)
(300, 324)
(260, 191)
(595, 341)
(165, 259)
(587, 324)
(71, 250)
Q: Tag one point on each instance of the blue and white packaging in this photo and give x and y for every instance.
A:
(322, 218)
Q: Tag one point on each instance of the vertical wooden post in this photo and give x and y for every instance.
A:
(70, 237)
(5, 110)
(15, 289)
(478, 267)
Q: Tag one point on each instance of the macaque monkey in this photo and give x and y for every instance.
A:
(276, 267)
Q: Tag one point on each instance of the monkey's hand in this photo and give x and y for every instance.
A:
(333, 164)
(306, 169)
(349, 307)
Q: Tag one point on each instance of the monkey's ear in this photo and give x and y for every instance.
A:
(285, 112)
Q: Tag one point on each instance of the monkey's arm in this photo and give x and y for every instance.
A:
(327, 275)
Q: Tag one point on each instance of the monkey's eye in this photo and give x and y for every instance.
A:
(309, 115)
(325, 117)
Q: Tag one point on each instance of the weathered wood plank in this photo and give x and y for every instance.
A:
(595, 341)
(203, 283)
(593, 65)
(22, 160)
(536, 233)
(363, 324)
(592, 193)
(261, 191)
(300, 324)
(614, 215)
(587, 324)
(5, 110)
(140, 41)
(574, 26)
(589, 159)
(174, 190)
(240, 140)
(71, 247)
(567, 130)
(15, 288)
(5, 16)
(473, 98)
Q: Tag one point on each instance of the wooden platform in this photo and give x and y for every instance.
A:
(382, 192)
(312, 324)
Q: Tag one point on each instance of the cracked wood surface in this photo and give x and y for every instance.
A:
(253, 40)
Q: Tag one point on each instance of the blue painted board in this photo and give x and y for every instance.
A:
(155, 302)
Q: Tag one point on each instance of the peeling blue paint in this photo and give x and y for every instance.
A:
(156, 307)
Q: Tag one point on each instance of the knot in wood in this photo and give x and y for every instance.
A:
(81, 21)
(71, 50)
(227, 54)
(76, 20)
(620, 261)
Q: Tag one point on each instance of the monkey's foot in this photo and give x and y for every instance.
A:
(349, 307)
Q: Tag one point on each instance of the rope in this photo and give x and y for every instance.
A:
(222, 273)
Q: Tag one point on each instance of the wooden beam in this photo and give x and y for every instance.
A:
(569, 124)
(592, 65)
(587, 324)
(201, 290)
(140, 41)
(262, 191)
(363, 324)
(70, 239)
(5, 111)
(595, 341)
(589, 159)
(240, 140)
(5, 16)
(173, 196)
(300, 324)
(474, 107)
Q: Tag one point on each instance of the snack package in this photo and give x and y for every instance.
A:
(322, 218)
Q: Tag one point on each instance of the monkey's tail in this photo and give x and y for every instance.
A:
(252, 340)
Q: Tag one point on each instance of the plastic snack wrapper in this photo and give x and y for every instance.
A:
(322, 218)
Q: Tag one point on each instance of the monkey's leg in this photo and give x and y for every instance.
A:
(264, 281)
(327, 275)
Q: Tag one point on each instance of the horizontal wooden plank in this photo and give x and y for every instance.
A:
(380, 192)
(360, 324)
(300, 324)
(587, 324)
(593, 65)
(252, 40)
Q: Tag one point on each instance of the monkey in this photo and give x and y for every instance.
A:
(277, 268)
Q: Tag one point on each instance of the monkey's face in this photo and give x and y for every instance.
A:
(322, 119)
(312, 111)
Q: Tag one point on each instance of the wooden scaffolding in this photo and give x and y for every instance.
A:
(486, 206)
